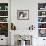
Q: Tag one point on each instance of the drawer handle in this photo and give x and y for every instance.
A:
(43, 39)
(1, 39)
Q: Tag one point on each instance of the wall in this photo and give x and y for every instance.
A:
(32, 6)
(24, 5)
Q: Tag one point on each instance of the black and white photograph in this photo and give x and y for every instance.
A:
(22, 14)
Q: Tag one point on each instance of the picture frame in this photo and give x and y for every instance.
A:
(23, 14)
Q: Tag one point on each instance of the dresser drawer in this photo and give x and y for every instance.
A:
(3, 41)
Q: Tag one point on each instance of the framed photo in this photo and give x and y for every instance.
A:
(23, 14)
